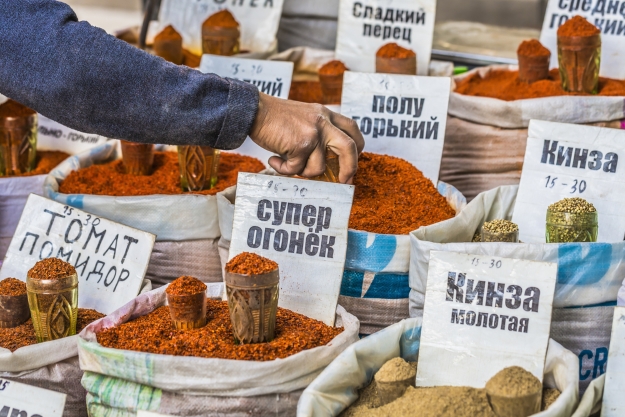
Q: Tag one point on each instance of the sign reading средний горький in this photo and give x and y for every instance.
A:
(111, 259)
(566, 160)
(21, 400)
(483, 314)
(53, 136)
(400, 115)
(301, 225)
(367, 25)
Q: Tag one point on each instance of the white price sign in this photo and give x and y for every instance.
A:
(301, 225)
(607, 15)
(613, 399)
(565, 160)
(483, 314)
(17, 399)
(53, 136)
(111, 259)
(367, 25)
(400, 115)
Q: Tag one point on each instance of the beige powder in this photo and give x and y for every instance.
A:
(396, 369)
(513, 382)
(550, 395)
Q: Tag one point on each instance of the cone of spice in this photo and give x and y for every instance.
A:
(52, 286)
(252, 291)
(533, 61)
(331, 173)
(500, 230)
(198, 167)
(392, 380)
(331, 78)
(220, 34)
(186, 297)
(138, 158)
(13, 303)
(393, 59)
(168, 45)
(579, 55)
(18, 139)
(514, 392)
(572, 220)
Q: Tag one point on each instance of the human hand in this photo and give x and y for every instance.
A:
(301, 132)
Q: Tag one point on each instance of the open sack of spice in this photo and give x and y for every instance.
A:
(589, 275)
(346, 381)
(185, 223)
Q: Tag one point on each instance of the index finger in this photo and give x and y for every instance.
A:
(350, 127)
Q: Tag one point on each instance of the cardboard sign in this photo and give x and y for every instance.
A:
(53, 136)
(258, 20)
(400, 115)
(483, 314)
(565, 160)
(301, 225)
(613, 399)
(608, 16)
(367, 25)
(111, 259)
(17, 399)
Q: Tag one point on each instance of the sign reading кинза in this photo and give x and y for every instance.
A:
(21, 400)
(483, 314)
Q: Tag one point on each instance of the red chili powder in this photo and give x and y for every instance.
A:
(51, 268)
(393, 197)
(12, 287)
(185, 285)
(222, 18)
(306, 91)
(168, 34)
(333, 68)
(532, 47)
(46, 162)
(111, 179)
(153, 333)
(12, 108)
(247, 263)
(392, 50)
(578, 26)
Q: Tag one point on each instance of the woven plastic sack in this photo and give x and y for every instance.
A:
(591, 400)
(121, 382)
(336, 388)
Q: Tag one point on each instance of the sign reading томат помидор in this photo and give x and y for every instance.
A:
(481, 315)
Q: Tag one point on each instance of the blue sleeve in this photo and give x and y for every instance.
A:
(79, 76)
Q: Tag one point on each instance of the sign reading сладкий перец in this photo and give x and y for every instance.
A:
(483, 314)
(301, 225)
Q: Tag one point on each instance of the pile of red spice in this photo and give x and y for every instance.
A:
(532, 47)
(333, 68)
(222, 19)
(392, 50)
(306, 91)
(46, 161)
(185, 285)
(111, 179)
(24, 335)
(578, 26)
(12, 287)
(168, 34)
(247, 263)
(51, 268)
(393, 197)
(153, 333)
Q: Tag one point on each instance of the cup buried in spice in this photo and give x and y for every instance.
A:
(138, 158)
(220, 34)
(186, 297)
(572, 220)
(393, 59)
(252, 286)
(198, 167)
(331, 79)
(500, 230)
(168, 45)
(579, 55)
(13, 303)
(52, 286)
(18, 139)
(331, 173)
(514, 392)
(392, 380)
(534, 61)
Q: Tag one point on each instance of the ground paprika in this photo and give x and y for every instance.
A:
(306, 91)
(247, 263)
(392, 50)
(222, 18)
(46, 162)
(578, 26)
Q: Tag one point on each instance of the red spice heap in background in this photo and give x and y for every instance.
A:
(393, 197)
(532, 47)
(392, 50)
(247, 263)
(306, 91)
(110, 178)
(24, 335)
(222, 18)
(190, 59)
(333, 68)
(12, 287)
(168, 34)
(51, 268)
(153, 333)
(578, 26)
(12, 108)
(46, 162)
(185, 285)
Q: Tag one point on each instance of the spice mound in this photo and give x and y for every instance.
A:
(550, 395)
(572, 205)
(501, 226)
(12, 287)
(393, 197)
(222, 18)
(186, 286)
(333, 68)
(392, 50)
(513, 382)
(532, 47)
(153, 333)
(46, 162)
(51, 268)
(247, 263)
(306, 91)
(111, 179)
(24, 334)
(168, 34)
(396, 369)
(578, 26)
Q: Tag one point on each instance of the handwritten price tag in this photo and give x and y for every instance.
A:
(54, 136)
(17, 399)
